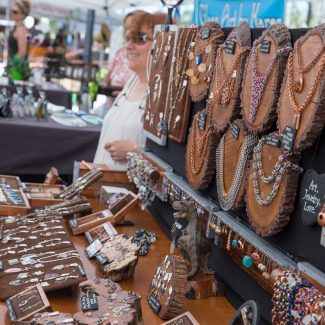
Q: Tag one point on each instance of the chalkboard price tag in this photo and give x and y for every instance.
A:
(265, 47)
(89, 301)
(205, 33)
(154, 304)
(93, 248)
(272, 141)
(312, 193)
(288, 139)
(235, 130)
(230, 47)
(102, 259)
(202, 120)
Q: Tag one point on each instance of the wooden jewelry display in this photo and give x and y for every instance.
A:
(263, 77)
(160, 71)
(114, 215)
(184, 319)
(54, 318)
(301, 108)
(27, 303)
(102, 233)
(227, 81)
(201, 59)
(232, 161)
(200, 150)
(178, 94)
(110, 178)
(272, 187)
(118, 257)
(42, 194)
(114, 306)
(167, 290)
(13, 181)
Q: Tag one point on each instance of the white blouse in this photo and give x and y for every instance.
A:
(123, 121)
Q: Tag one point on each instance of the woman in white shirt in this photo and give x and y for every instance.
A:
(122, 130)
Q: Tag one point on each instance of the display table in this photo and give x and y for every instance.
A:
(216, 310)
(31, 147)
(55, 94)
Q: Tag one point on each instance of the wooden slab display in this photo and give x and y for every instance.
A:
(25, 304)
(201, 60)
(109, 178)
(42, 194)
(184, 319)
(114, 215)
(13, 181)
(307, 89)
(200, 150)
(53, 318)
(178, 95)
(160, 71)
(9, 207)
(232, 165)
(227, 81)
(263, 77)
(167, 290)
(270, 218)
(118, 257)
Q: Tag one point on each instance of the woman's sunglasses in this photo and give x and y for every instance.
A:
(140, 38)
(14, 12)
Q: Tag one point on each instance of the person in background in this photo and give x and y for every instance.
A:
(122, 129)
(18, 36)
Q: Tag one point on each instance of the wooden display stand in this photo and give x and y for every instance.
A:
(203, 286)
(110, 177)
(13, 210)
(222, 114)
(273, 39)
(184, 319)
(13, 181)
(17, 313)
(114, 215)
(40, 195)
(312, 117)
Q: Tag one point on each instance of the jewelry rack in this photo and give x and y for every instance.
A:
(253, 254)
(110, 177)
(27, 303)
(313, 275)
(157, 107)
(114, 215)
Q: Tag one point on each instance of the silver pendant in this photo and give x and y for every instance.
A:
(13, 270)
(13, 261)
(16, 283)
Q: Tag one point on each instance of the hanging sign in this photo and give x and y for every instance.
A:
(231, 13)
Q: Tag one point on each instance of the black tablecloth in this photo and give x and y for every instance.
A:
(31, 147)
(54, 93)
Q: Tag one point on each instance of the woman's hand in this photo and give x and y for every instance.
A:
(119, 148)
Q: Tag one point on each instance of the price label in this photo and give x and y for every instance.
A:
(202, 120)
(230, 47)
(89, 301)
(154, 304)
(272, 141)
(288, 139)
(93, 248)
(235, 130)
(265, 47)
(102, 259)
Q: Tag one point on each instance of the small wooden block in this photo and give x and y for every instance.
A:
(204, 286)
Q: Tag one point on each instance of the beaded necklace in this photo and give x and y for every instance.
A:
(282, 165)
(225, 83)
(297, 109)
(259, 81)
(227, 198)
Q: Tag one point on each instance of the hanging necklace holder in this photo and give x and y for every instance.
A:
(232, 160)
(159, 76)
(226, 84)
(201, 59)
(301, 108)
(263, 78)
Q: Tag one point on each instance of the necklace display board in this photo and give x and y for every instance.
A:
(201, 60)
(302, 103)
(178, 100)
(168, 287)
(200, 150)
(232, 160)
(226, 84)
(160, 70)
(263, 78)
(54, 318)
(272, 187)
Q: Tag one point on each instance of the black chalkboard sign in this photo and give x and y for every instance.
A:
(312, 192)
(154, 303)
(272, 141)
(265, 47)
(89, 301)
(288, 139)
(230, 47)
(202, 120)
